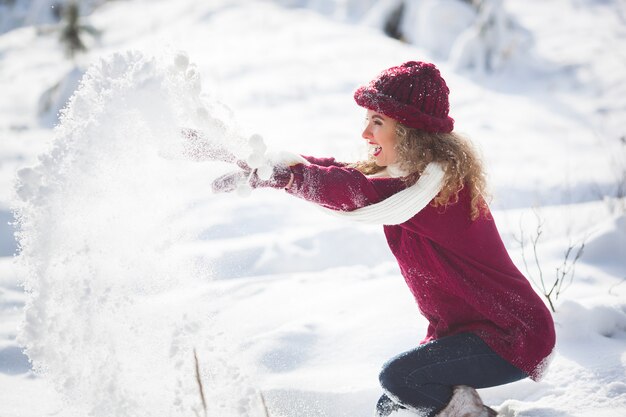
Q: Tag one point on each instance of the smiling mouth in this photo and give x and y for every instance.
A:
(376, 149)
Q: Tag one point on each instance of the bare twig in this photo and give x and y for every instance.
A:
(265, 412)
(616, 285)
(564, 276)
(523, 249)
(535, 241)
(199, 381)
(567, 269)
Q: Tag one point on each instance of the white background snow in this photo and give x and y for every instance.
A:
(129, 263)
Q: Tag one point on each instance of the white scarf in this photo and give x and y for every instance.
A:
(393, 210)
(401, 206)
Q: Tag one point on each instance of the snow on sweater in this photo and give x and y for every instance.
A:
(457, 269)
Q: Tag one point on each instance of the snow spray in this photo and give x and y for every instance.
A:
(102, 224)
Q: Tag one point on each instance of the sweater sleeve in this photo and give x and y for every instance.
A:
(340, 188)
(324, 162)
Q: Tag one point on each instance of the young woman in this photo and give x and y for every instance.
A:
(426, 185)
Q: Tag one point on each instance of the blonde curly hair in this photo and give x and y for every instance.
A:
(460, 161)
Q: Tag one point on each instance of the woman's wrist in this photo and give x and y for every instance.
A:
(291, 178)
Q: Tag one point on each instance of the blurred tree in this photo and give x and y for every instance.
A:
(478, 35)
(72, 30)
(393, 22)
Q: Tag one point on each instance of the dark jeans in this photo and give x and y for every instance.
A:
(422, 379)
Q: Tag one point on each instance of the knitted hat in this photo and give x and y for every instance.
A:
(413, 94)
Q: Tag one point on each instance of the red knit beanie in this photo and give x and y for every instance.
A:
(413, 94)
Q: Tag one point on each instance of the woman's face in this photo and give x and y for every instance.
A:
(380, 133)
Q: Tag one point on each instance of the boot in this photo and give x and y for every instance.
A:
(490, 411)
(386, 407)
(466, 402)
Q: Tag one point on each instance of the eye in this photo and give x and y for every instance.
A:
(378, 122)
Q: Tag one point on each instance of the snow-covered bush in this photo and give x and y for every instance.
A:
(490, 42)
(431, 24)
(435, 25)
(380, 13)
(345, 10)
(477, 35)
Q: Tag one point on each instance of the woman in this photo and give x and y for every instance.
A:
(426, 185)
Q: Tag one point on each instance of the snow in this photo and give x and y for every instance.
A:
(128, 263)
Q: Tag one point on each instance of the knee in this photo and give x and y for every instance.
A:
(397, 377)
(392, 378)
(384, 377)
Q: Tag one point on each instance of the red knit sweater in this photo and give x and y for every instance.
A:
(457, 269)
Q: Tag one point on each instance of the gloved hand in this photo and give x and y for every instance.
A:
(254, 172)
(247, 178)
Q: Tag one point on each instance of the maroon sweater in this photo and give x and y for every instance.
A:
(457, 269)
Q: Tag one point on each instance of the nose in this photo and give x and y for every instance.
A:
(367, 133)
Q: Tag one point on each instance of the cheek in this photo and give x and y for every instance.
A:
(391, 140)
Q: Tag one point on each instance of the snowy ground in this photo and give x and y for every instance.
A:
(132, 263)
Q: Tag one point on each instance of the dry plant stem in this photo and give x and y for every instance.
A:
(523, 249)
(535, 241)
(616, 285)
(199, 381)
(567, 268)
(265, 412)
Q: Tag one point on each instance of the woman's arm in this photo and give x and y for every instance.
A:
(324, 162)
(340, 188)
